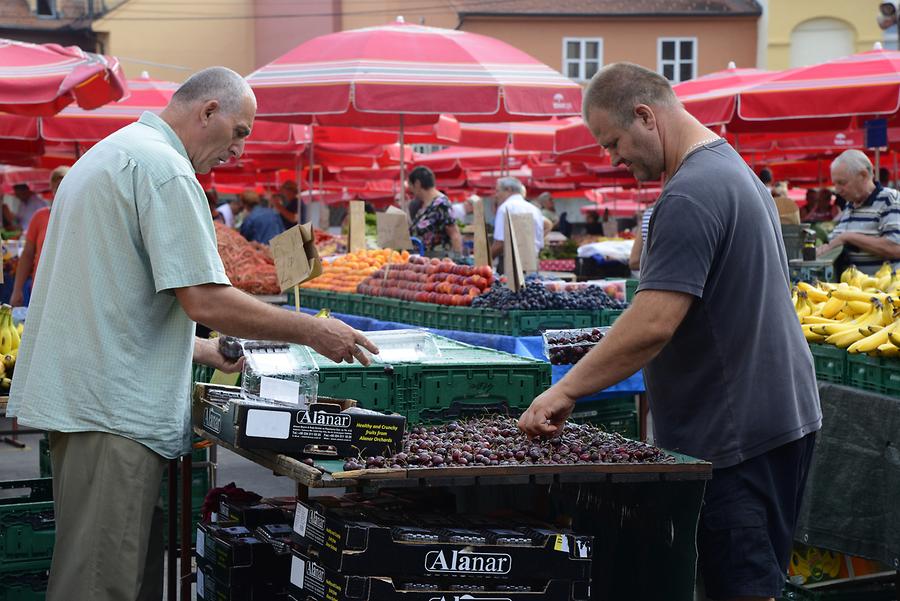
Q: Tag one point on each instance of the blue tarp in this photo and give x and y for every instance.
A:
(525, 346)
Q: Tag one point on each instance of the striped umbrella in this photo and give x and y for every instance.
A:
(713, 98)
(40, 79)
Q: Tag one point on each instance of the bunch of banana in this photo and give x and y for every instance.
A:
(10, 336)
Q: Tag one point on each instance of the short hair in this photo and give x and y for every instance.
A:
(250, 197)
(510, 184)
(214, 83)
(423, 175)
(765, 176)
(854, 160)
(619, 87)
(58, 174)
(289, 184)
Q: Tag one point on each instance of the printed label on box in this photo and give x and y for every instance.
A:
(300, 519)
(201, 583)
(562, 543)
(201, 542)
(276, 389)
(298, 570)
(262, 423)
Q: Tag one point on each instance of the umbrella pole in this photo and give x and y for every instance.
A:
(877, 161)
(312, 162)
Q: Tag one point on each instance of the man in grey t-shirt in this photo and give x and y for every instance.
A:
(729, 375)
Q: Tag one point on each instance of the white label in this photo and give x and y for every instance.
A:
(201, 584)
(201, 542)
(263, 423)
(399, 355)
(298, 570)
(283, 391)
(300, 517)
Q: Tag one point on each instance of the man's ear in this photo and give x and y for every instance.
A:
(209, 107)
(644, 115)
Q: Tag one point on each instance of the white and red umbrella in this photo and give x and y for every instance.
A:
(39, 80)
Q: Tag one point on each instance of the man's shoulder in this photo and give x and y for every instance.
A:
(889, 196)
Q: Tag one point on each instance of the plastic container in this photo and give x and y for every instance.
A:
(27, 524)
(830, 362)
(279, 373)
(403, 346)
(565, 347)
(25, 585)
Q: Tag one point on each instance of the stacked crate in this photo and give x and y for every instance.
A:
(27, 535)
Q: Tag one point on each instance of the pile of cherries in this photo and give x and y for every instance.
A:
(497, 441)
(569, 348)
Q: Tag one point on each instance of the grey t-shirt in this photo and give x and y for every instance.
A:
(737, 378)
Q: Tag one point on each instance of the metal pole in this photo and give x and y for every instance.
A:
(402, 168)
(187, 481)
(172, 575)
(312, 162)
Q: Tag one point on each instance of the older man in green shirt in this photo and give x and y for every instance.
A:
(128, 267)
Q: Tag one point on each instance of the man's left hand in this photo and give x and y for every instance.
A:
(207, 353)
(547, 414)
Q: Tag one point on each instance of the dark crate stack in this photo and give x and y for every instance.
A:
(27, 534)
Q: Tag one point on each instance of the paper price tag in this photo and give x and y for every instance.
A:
(300, 518)
(276, 389)
(262, 423)
(298, 571)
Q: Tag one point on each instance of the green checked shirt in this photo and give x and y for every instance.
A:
(107, 347)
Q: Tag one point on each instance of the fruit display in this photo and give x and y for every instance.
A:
(857, 314)
(536, 296)
(344, 273)
(437, 281)
(497, 441)
(10, 336)
(614, 289)
(249, 266)
(557, 265)
(327, 244)
(566, 347)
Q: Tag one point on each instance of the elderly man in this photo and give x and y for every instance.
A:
(509, 196)
(721, 388)
(130, 264)
(869, 226)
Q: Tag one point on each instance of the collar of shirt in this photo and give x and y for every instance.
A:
(868, 202)
(155, 121)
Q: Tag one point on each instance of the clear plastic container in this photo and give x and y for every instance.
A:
(403, 346)
(279, 373)
(564, 347)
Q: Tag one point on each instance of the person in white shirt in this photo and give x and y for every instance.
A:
(510, 198)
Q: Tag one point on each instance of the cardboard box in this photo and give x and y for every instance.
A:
(325, 428)
(209, 588)
(236, 555)
(312, 581)
(364, 540)
(249, 515)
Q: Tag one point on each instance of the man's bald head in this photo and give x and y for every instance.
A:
(215, 83)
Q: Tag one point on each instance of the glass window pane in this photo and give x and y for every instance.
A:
(591, 68)
(573, 50)
(668, 50)
(687, 50)
(669, 72)
(686, 71)
(592, 50)
(572, 70)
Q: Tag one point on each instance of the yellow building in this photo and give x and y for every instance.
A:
(796, 33)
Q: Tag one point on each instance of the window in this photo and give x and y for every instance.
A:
(46, 8)
(676, 58)
(582, 57)
(822, 39)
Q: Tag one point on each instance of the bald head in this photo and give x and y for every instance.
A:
(215, 83)
(620, 87)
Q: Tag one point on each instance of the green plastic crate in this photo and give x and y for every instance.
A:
(25, 585)
(880, 589)
(612, 415)
(27, 524)
(528, 323)
(372, 387)
(831, 363)
(878, 374)
(630, 289)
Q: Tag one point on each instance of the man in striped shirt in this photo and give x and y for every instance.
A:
(869, 226)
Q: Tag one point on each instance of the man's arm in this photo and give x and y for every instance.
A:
(496, 248)
(634, 259)
(638, 335)
(230, 311)
(877, 245)
(23, 270)
(455, 238)
(286, 213)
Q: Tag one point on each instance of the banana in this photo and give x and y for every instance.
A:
(814, 294)
(851, 294)
(818, 320)
(884, 270)
(20, 329)
(858, 307)
(5, 337)
(873, 341)
(8, 362)
(812, 336)
(833, 306)
(894, 338)
(887, 350)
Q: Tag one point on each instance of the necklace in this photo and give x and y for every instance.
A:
(691, 149)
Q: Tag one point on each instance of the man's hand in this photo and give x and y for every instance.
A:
(17, 299)
(206, 352)
(338, 341)
(547, 414)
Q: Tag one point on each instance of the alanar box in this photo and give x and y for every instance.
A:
(324, 428)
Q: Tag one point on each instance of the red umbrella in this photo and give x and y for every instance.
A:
(712, 98)
(381, 75)
(39, 80)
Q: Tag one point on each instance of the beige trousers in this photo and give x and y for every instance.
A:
(106, 492)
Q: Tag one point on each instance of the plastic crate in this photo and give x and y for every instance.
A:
(373, 387)
(609, 316)
(831, 363)
(27, 524)
(878, 374)
(630, 289)
(28, 585)
(879, 589)
(530, 323)
(613, 415)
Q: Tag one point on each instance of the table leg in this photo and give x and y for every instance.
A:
(187, 575)
(172, 517)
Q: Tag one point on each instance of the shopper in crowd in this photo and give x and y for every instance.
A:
(212, 198)
(226, 210)
(34, 243)
(29, 204)
(433, 223)
(545, 203)
(509, 197)
(129, 265)
(869, 225)
(721, 386)
(260, 224)
(819, 206)
(287, 204)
